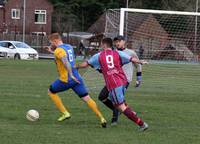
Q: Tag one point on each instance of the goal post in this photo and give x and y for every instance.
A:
(157, 34)
(123, 10)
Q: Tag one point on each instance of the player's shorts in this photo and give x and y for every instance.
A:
(60, 86)
(116, 95)
(104, 93)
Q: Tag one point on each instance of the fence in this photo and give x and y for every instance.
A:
(39, 42)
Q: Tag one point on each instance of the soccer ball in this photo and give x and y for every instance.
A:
(32, 115)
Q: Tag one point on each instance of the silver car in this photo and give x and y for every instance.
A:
(3, 52)
(19, 50)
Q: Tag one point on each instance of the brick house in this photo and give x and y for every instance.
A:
(38, 16)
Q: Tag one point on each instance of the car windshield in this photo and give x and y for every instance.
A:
(21, 45)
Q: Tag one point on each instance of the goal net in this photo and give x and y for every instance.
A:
(169, 39)
(157, 34)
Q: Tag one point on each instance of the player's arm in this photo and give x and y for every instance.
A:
(68, 67)
(138, 75)
(50, 49)
(134, 60)
(139, 70)
(137, 66)
(86, 64)
(126, 59)
(93, 62)
(62, 55)
(82, 65)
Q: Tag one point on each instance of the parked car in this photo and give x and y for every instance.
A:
(3, 52)
(19, 50)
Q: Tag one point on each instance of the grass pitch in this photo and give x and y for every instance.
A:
(168, 101)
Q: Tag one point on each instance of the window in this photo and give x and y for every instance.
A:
(3, 44)
(40, 16)
(15, 13)
(6, 44)
(10, 46)
(21, 45)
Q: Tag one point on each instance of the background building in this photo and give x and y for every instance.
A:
(38, 14)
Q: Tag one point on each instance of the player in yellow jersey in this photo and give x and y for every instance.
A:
(69, 78)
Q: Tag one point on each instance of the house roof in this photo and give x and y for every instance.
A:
(109, 23)
(99, 26)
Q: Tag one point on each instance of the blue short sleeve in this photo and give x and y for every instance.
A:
(124, 57)
(94, 61)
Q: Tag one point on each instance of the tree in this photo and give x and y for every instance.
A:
(63, 19)
(79, 15)
(175, 5)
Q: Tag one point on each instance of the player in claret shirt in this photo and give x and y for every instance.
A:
(128, 69)
(110, 62)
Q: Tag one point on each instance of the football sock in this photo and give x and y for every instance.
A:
(115, 115)
(58, 102)
(92, 105)
(132, 116)
(109, 104)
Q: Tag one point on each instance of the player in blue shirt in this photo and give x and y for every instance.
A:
(69, 78)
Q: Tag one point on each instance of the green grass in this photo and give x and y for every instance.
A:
(168, 101)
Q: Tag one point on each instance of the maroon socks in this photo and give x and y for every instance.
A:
(132, 116)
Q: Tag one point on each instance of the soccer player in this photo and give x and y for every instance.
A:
(128, 69)
(69, 78)
(110, 62)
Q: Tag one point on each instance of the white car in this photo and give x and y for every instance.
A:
(19, 50)
(3, 52)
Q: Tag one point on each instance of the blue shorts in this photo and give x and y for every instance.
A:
(60, 86)
(116, 95)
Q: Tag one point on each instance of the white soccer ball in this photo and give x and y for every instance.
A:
(32, 115)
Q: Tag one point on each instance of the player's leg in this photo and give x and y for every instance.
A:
(117, 96)
(56, 87)
(129, 113)
(82, 92)
(116, 112)
(103, 97)
(93, 106)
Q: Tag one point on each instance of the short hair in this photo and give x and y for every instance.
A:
(107, 41)
(119, 37)
(54, 36)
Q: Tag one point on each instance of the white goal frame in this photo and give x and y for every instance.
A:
(123, 10)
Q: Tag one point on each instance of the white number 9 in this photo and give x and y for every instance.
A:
(109, 60)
